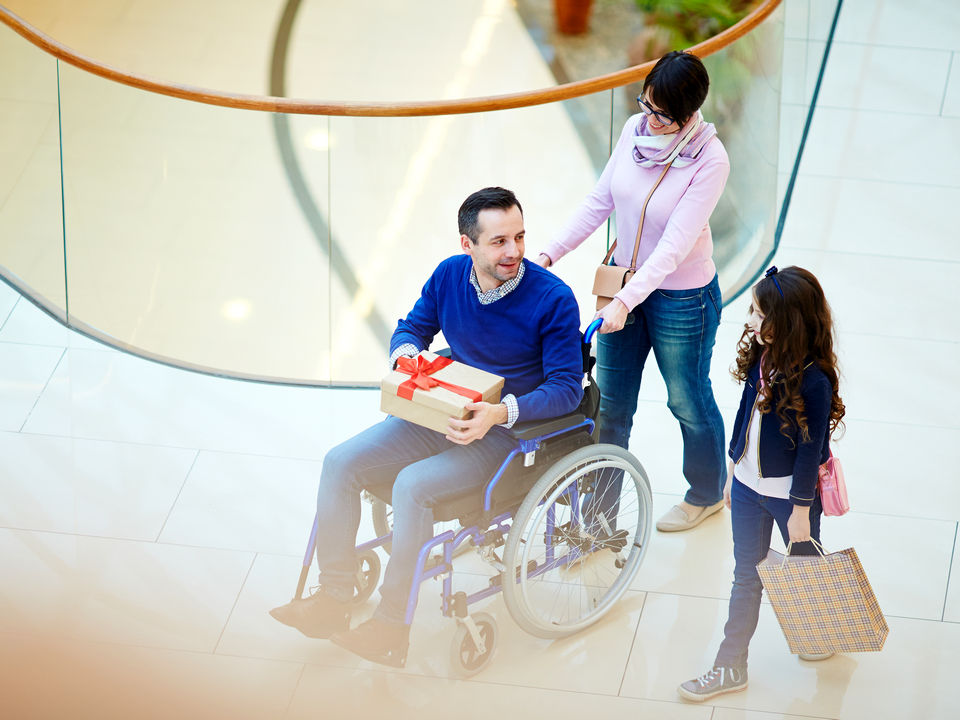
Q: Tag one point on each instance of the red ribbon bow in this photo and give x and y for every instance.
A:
(420, 370)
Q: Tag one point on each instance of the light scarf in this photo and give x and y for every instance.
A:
(681, 148)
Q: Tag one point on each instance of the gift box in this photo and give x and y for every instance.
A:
(429, 390)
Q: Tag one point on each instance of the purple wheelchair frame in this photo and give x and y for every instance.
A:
(497, 527)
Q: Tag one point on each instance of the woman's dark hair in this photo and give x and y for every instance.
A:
(678, 84)
(798, 321)
(489, 198)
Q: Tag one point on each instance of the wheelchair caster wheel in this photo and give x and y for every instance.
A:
(367, 576)
(466, 659)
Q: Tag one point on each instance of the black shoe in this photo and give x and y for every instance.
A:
(377, 641)
(317, 616)
(717, 681)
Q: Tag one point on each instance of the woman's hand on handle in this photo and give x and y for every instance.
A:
(614, 316)
(798, 526)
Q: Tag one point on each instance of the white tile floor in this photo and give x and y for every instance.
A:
(150, 517)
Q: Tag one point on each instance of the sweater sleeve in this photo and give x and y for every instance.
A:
(682, 230)
(562, 389)
(595, 208)
(422, 322)
(806, 466)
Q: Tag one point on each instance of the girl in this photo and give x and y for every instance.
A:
(789, 409)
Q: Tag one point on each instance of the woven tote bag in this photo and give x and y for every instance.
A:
(824, 603)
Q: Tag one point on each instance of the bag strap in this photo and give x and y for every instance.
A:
(817, 545)
(643, 212)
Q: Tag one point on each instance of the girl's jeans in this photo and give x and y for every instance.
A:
(425, 469)
(753, 516)
(680, 326)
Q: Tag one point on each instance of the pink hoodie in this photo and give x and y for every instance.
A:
(676, 247)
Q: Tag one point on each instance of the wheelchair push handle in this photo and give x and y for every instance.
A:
(591, 331)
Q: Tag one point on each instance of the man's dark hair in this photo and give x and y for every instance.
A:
(496, 198)
(678, 85)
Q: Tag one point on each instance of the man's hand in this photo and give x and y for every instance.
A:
(614, 316)
(798, 526)
(543, 261)
(485, 416)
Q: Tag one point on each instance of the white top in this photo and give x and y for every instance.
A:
(747, 470)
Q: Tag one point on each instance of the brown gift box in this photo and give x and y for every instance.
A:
(433, 408)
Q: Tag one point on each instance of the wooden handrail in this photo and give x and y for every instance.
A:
(267, 103)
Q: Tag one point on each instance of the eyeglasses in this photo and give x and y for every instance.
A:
(647, 110)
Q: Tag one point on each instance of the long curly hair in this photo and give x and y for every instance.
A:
(797, 329)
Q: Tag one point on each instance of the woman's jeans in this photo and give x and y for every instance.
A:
(680, 326)
(753, 516)
(425, 469)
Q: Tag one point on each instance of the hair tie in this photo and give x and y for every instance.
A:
(772, 274)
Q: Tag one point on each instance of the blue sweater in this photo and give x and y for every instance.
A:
(779, 455)
(530, 337)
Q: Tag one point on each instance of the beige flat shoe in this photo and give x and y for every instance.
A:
(676, 519)
(815, 657)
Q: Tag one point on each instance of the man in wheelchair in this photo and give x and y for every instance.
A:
(497, 312)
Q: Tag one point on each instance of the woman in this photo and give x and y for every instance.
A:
(672, 304)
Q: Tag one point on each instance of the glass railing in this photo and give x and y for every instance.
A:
(285, 246)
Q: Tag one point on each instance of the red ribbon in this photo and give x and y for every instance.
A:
(420, 369)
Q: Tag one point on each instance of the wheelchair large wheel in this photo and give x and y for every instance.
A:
(383, 525)
(577, 541)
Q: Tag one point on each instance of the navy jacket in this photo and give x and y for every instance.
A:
(780, 455)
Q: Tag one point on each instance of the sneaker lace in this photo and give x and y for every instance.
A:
(709, 677)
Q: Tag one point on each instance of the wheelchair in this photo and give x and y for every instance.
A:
(564, 523)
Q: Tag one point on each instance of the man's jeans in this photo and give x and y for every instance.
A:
(424, 468)
(680, 326)
(753, 516)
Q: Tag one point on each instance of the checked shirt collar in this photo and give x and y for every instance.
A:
(491, 296)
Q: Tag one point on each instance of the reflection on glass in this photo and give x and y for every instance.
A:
(185, 236)
(31, 225)
(744, 104)
(806, 28)
(287, 246)
(395, 223)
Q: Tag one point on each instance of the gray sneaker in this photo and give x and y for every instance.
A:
(717, 681)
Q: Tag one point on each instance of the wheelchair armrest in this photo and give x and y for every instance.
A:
(537, 428)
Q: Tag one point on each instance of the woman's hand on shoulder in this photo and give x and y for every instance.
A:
(614, 316)
(542, 260)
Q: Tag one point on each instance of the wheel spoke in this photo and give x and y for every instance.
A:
(602, 536)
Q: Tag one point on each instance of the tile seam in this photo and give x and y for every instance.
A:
(234, 606)
(46, 384)
(177, 498)
(946, 592)
(12, 308)
(633, 643)
(946, 85)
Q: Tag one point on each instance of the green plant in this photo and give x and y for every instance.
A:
(678, 24)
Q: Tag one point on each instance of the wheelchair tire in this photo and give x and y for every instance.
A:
(367, 577)
(564, 573)
(383, 525)
(465, 659)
